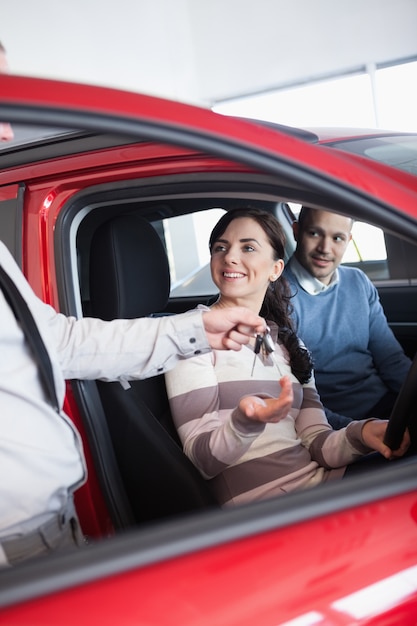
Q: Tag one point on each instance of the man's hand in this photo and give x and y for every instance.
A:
(232, 327)
(373, 434)
(269, 409)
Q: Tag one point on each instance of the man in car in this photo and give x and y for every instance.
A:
(358, 363)
(6, 131)
(41, 456)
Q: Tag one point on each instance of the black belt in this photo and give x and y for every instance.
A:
(32, 335)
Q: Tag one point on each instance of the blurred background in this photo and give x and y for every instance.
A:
(296, 62)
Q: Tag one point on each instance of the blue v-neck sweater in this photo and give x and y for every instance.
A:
(356, 357)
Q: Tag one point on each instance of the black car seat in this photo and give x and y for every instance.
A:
(129, 277)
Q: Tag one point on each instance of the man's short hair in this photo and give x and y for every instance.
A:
(302, 214)
(305, 210)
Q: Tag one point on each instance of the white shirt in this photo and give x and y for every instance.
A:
(41, 456)
(308, 282)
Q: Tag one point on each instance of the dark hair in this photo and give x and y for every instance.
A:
(305, 211)
(276, 306)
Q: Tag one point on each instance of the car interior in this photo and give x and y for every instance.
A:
(124, 272)
(114, 255)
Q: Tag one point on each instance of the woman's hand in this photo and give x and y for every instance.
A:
(373, 434)
(269, 409)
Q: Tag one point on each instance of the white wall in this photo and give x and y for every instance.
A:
(203, 50)
(266, 44)
(139, 45)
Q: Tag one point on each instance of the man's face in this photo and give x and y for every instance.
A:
(6, 131)
(322, 242)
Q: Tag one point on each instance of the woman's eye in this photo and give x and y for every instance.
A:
(249, 248)
(219, 248)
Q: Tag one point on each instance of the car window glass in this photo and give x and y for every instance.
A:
(367, 244)
(186, 240)
(367, 251)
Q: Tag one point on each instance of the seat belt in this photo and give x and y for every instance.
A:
(28, 325)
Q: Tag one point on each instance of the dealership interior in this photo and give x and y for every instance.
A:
(300, 62)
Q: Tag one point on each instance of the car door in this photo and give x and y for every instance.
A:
(313, 557)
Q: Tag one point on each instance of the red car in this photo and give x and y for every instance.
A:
(161, 551)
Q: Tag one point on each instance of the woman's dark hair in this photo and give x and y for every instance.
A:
(276, 306)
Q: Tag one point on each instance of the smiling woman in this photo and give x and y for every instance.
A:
(242, 262)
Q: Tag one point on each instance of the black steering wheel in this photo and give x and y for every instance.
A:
(404, 412)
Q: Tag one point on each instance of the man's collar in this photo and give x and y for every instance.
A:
(307, 281)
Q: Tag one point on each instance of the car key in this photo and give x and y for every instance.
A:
(265, 342)
(269, 347)
(258, 343)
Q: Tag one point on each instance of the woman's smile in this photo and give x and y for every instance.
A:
(233, 275)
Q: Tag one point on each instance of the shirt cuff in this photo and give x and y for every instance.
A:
(191, 335)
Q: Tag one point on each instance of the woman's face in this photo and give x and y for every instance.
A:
(242, 263)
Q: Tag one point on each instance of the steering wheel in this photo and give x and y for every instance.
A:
(404, 412)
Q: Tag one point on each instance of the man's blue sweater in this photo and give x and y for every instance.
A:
(356, 357)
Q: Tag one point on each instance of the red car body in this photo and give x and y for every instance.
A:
(340, 556)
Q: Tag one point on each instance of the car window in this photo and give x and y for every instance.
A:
(186, 241)
(367, 251)
(385, 258)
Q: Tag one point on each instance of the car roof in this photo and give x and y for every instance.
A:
(134, 117)
(333, 133)
(395, 149)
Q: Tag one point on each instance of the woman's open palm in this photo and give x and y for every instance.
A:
(269, 409)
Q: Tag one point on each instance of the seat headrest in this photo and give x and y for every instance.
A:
(129, 271)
